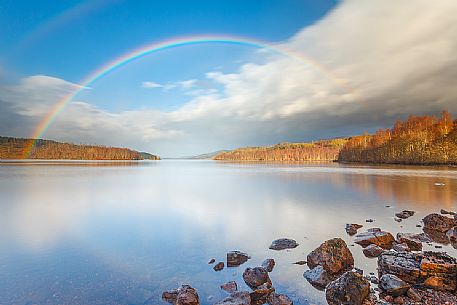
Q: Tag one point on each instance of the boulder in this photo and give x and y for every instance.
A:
(236, 258)
(279, 299)
(268, 264)
(411, 240)
(283, 243)
(351, 228)
(333, 255)
(393, 285)
(319, 278)
(372, 251)
(351, 289)
(437, 222)
(405, 265)
(185, 295)
(219, 266)
(229, 287)
(380, 238)
(255, 277)
(236, 298)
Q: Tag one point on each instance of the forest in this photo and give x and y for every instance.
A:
(418, 140)
(323, 150)
(15, 148)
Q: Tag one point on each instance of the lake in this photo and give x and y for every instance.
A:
(121, 233)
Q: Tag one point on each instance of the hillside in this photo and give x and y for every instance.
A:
(323, 150)
(15, 148)
(418, 140)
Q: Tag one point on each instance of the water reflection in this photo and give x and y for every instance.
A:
(122, 234)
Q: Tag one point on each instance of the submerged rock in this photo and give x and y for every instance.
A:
(319, 278)
(444, 212)
(236, 258)
(283, 243)
(255, 277)
(300, 263)
(405, 214)
(219, 266)
(393, 285)
(351, 228)
(229, 287)
(185, 295)
(262, 292)
(411, 240)
(211, 261)
(378, 237)
(279, 299)
(333, 255)
(268, 264)
(372, 251)
(437, 222)
(351, 288)
(236, 298)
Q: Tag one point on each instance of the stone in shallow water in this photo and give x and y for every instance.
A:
(255, 277)
(185, 295)
(372, 251)
(351, 288)
(230, 287)
(437, 222)
(236, 258)
(393, 285)
(236, 298)
(283, 243)
(333, 255)
(319, 278)
(381, 238)
(351, 228)
(219, 266)
(403, 247)
(268, 264)
(411, 239)
(405, 214)
(279, 299)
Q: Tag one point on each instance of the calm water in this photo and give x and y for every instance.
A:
(103, 233)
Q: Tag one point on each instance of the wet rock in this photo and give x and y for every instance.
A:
(279, 299)
(301, 263)
(405, 265)
(373, 279)
(262, 292)
(236, 258)
(437, 222)
(380, 238)
(405, 214)
(372, 251)
(351, 228)
(452, 234)
(393, 285)
(283, 243)
(268, 264)
(319, 278)
(229, 287)
(219, 266)
(369, 220)
(333, 255)
(439, 283)
(436, 236)
(236, 298)
(444, 212)
(411, 240)
(351, 288)
(399, 300)
(403, 247)
(255, 277)
(211, 261)
(185, 295)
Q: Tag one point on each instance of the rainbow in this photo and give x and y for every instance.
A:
(164, 45)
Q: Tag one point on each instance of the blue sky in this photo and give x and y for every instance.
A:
(361, 65)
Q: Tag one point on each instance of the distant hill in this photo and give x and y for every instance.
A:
(207, 155)
(322, 150)
(418, 140)
(16, 148)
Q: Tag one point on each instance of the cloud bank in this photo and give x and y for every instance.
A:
(372, 62)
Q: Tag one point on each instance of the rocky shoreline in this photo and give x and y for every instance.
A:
(406, 274)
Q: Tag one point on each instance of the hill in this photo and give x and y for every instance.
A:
(15, 148)
(419, 140)
(322, 150)
(210, 155)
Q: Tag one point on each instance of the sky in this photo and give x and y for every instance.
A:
(291, 70)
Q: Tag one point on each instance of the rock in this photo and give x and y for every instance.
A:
(212, 261)
(411, 240)
(255, 277)
(372, 251)
(373, 279)
(351, 228)
(283, 243)
(268, 264)
(436, 236)
(229, 287)
(442, 211)
(405, 214)
(369, 220)
(437, 222)
(380, 238)
(413, 295)
(452, 234)
(351, 289)
(403, 247)
(319, 278)
(219, 266)
(434, 269)
(279, 299)
(393, 285)
(236, 298)
(399, 300)
(262, 292)
(333, 255)
(236, 258)
(301, 263)
(185, 295)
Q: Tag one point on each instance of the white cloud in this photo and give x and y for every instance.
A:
(151, 85)
(372, 62)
